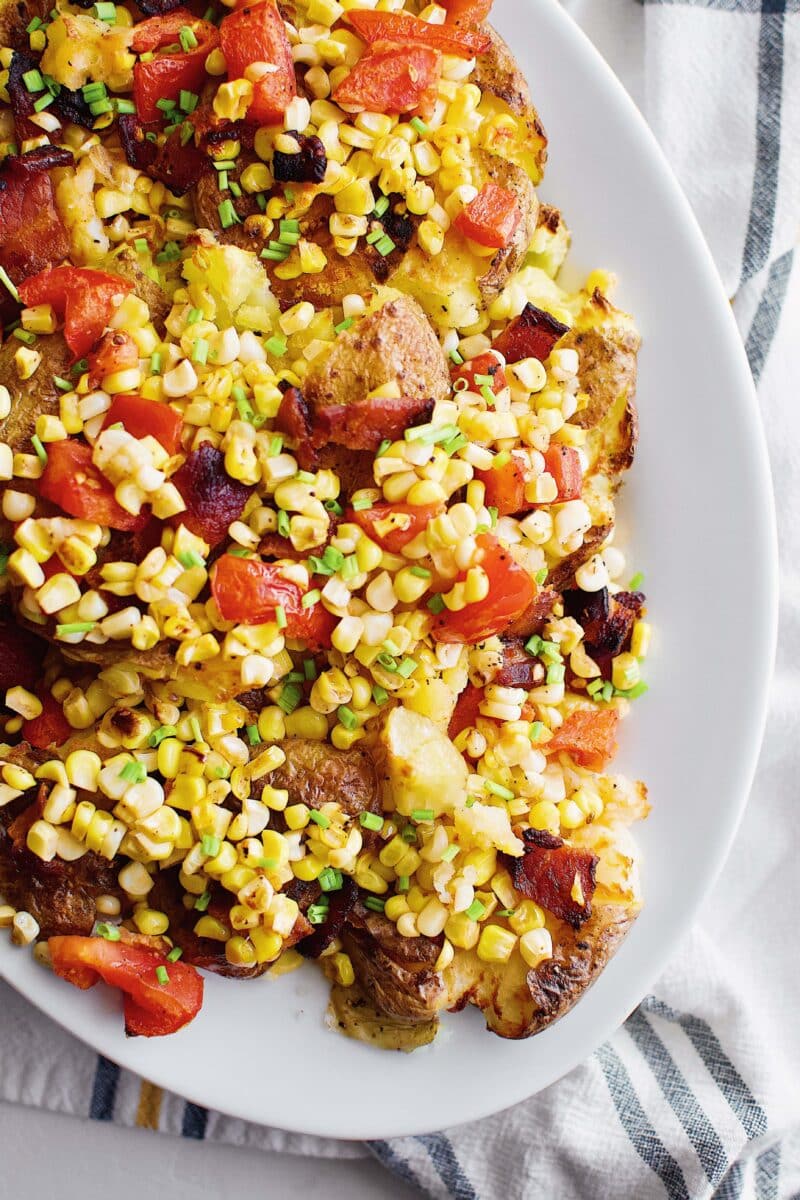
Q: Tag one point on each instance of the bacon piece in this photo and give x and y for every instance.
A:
(50, 728)
(21, 656)
(607, 621)
(175, 165)
(557, 877)
(532, 334)
(294, 419)
(520, 669)
(535, 615)
(32, 236)
(341, 905)
(68, 105)
(466, 711)
(212, 498)
(364, 424)
(307, 166)
(156, 8)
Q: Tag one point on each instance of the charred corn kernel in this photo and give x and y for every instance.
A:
(240, 952)
(305, 722)
(60, 804)
(58, 592)
(232, 99)
(495, 944)
(343, 969)
(39, 319)
(108, 906)
(210, 927)
(433, 918)
(535, 946)
(545, 815)
(267, 944)
(135, 880)
(187, 790)
(24, 929)
(150, 921)
(312, 258)
(271, 725)
(77, 710)
(343, 738)
(24, 567)
(570, 815)
(356, 199)
(42, 840)
(308, 868)
(17, 777)
(462, 931)
(169, 758)
(527, 916)
(407, 925)
(482, 865)
(26, 362)
(296, 816)
(256, 178)
(21, 701)
(640, 639)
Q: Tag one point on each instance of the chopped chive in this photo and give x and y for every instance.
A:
(319, 818)
(289, 698)
(456, 357)
(403, 883)
(190, 558)
(536, 730)
(343, 326)
(109, 932)
(330, 879)
(272, 255)
(317, 914)
(506, 912)
(541, 575)
(101, 106)
(497, 789)
(159, 735)
(381, 205)
(379, 694)
(75, 627)
(105, 11)
(420, 126)
(162, 974)
(347, 717)
(228, 215)
(476, 910)
(334, 506)
(133, 772)
(371, 820)
(8, 283)
(197, 732)
(200, 351)
(384, 446)
(277, 346)
(141, 246)
(290, 225)
(165, 105)
(492, 511)
(283, 523)
(239, 552)
(420, 572)
(155, 363)
(436, 603)
(430, 435)
(449, 854)
(311, 598)
(607, 691)
(534, 645)
(556, 673)
(174, 954)
(194, 315)
(309, 669)
(124, 106)
(24, 335)
(41, 453)
(187, 133)
(409, 835)
(202, 902)
(390, 647)
(387, 662)
(375, 904)
(385, 246)
(484, 380)
(550, 652)
(454, 444)
(170, 253)
(210, 845)
(34, 24)
(637, 581)
(422, 814)
(633, 693)
(280, 616)
(94, 90)
(488, 395)
(63, 385)
(407, 667)
(187, 38)
(235, 190)
(362, 504)
(350, 568)
(33, 81)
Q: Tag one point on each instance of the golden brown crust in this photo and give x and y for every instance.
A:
(393, 344)
(497, 72)
(34, 396)
(396, 973)
(510, 258)
(316, 773)
(563, 575)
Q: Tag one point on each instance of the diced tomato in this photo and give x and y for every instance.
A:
(588, 736)
(532, 334)
(50, 728)
(152, 1008)
(467, 12)
(548, 872)
(391, 79)
(166, 75)
(466, 711)
(250, 591)
(478, 369)
(211, 497)
(393, 526)
(141, 417)
(116, 351)
(491, 219)
(257, 33)
(84, 299)
(72, 481)
(372, 26)
(564, 464)
(21, 656)
(363, 424)
(505, 486)
(32, 234)
(294, 419)
(511, 590)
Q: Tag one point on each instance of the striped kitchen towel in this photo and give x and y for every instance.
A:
(696, 1095)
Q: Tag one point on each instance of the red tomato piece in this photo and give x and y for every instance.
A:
(84, 299)
(466, 711)
(152, 1008)
(511, 590)
(372, 26)
(32, 234)
(250, 591)
(116, 351)
(475, 371)
(467, 12)
(564, 464)
(547, 873)
(21, 657)
(257, 33)
(588, 736)
(212, 498)
(141, 417)
(505, 486)
(390, 79)
(72, 481)
(166, 75)
(532, 334)
(491, 219)
(363, 424)
(393, 526)
(50, 728)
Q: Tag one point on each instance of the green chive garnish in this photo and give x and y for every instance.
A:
(371, 820)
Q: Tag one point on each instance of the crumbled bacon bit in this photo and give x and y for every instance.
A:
(307, 166)
(32, 235)
(607, 621)
(532, 334)
(175, 165)
(213, 500)
(535, 615)
(363, 424)
(294, 419)
(520, 669)
(560, 878)
(340, 907)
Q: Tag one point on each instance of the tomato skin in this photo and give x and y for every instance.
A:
(116, 351)
(83, 298)
(141, 417)
(467, 12)
(511, 590)
(249, 591)
(564, 464)
(491, 219)
(256, 33)
(505, 486)
(588, 736)
(152, 1009)
(167, 74)
(72, 481)
(482, 364)
(391, 79)
(372, 26)
(50, 728)
(395, 539)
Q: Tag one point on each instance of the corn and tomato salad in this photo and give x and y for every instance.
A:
(228, 537)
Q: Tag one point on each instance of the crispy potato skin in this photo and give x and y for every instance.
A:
(15, 15)
(510, 258)
(498, 73)
(396, 973)
(146, 289)
(395, 343)
(35, 396)
(316, 773)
